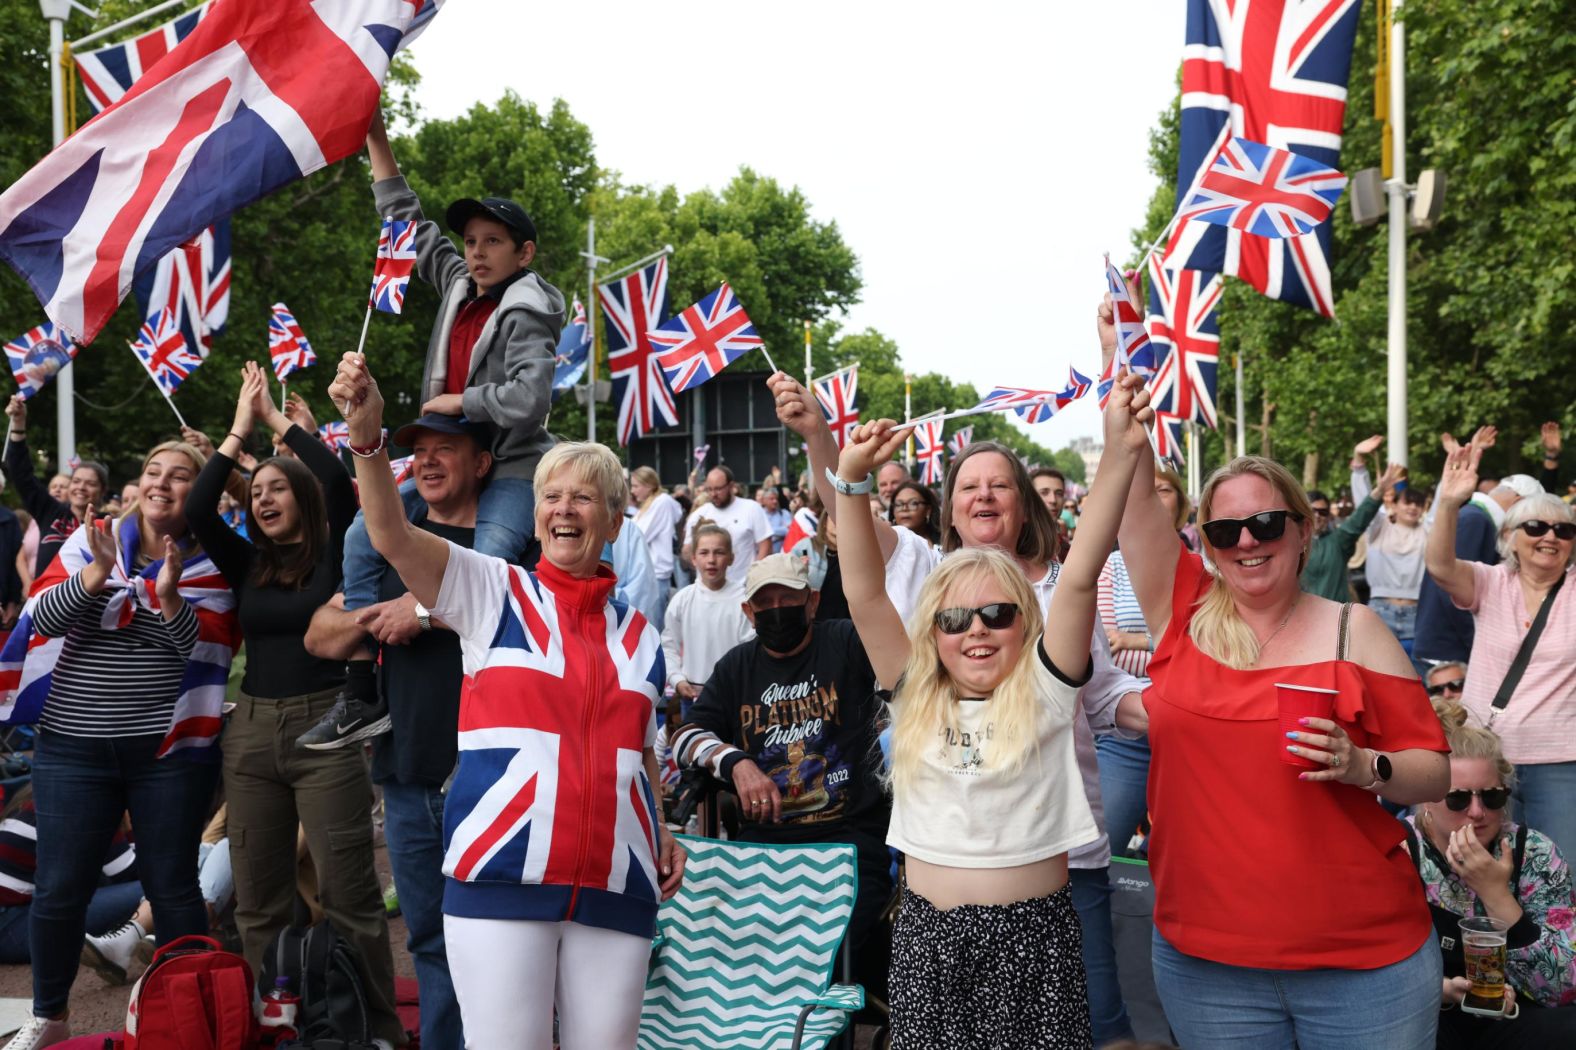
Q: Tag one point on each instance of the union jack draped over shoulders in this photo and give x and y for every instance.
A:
(163, 350)
(37, 355)
(836, 394)
(28, 660)
(700, 342)
(633, 306)
(287, 344)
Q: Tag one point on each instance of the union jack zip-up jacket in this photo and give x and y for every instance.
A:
(551, 815)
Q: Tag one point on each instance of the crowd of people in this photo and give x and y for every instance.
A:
(518, 657)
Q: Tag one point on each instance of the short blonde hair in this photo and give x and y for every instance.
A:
(585, 461)
(1542, 507)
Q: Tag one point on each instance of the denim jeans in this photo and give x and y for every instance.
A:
(82, 786)
(1545, 798)
(1399, 616)
(413, 831)
(1124, 783)
(1092, 900)
(1212, 1006)
(504, 523)
(109, 909)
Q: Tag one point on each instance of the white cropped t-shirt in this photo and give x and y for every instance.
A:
(959, 812)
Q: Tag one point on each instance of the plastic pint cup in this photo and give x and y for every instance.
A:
(1297, 702)
(1483, 943)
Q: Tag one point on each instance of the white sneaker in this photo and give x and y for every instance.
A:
(38, 1033)
(110, 955)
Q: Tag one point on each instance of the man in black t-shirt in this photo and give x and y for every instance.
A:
(789, 720)
(420, 674)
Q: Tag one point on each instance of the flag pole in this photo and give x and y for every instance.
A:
(908, 413)
(809, 367)
(769, 362)
(157, 385)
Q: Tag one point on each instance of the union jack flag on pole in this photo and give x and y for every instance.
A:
(633, 306)
(287, 344)
(962, 440)
(1265, 191)
(1186, 333)
(836, 394)
(255, 97)
(335, 435)
(165, 353)
(700, 342)
(396, 262)
(1078, 385)
(37, 355)
(1167, 438)
(929, 448)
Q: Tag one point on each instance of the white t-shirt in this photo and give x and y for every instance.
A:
(657, 523)
(959, 811)
(746, 523)
(702, 625)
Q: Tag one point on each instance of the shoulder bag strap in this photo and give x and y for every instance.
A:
(1518, 666)
(1346, 616)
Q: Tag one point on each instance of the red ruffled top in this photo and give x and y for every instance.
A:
(1252, 866)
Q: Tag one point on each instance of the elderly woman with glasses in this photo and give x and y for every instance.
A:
(1445, 681)
(1475, 862)
(1533, 711)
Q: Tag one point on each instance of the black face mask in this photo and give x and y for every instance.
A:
(782, 628)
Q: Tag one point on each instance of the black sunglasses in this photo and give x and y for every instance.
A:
(1454, 685)
(1563, 530)
(1266, 525)
(995, 616)
(1458, 799)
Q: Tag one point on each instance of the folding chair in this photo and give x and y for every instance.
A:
(745, 952)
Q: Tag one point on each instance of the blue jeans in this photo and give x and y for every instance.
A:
(1124, 782)
(1400, 617)
(1092, 900)
(413, 831)
(82, 787)
(109, 909)
(1212, 1006)
(1545, 798)
(504, 523)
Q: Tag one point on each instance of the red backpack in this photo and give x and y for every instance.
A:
(193, 996)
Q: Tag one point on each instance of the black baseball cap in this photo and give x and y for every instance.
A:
(405, 436)
(498, 209)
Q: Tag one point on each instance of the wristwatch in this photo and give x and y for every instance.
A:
(1382, 770)
(423, 617)
(851, 488)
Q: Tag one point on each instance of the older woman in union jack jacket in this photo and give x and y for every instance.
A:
(555, 855)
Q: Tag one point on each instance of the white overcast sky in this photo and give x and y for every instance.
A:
(978, 157)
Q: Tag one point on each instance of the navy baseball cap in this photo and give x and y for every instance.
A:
(498, 209)
(439, 423)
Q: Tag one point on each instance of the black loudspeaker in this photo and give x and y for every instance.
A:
(1367, 197)
(1429, 199)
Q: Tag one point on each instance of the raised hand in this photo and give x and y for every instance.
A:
(300, 413)
(1127, 412)
(197, 440)
(16, 408)
(797, 408)
(1387, 481)
(101, 545)
(167, 584)
(359, 400)
(1458, 481)
(870, 445)
(1367, 447)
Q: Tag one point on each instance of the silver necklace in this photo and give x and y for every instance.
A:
(1289, 612)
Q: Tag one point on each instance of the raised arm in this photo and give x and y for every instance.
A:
(1457, 483)
(229, 551)
(419, 557)
(859, 553)
(19, 468)
(1072, 610)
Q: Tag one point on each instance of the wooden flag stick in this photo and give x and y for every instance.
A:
(158, 386)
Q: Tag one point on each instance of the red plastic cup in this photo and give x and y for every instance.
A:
(1297, 702)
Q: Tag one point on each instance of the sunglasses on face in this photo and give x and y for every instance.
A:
(1458, 799)
(1441, 688)
(995, 616)
(1563, 530)
(1225, 533)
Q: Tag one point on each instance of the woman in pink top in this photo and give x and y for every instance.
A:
(1538, 721)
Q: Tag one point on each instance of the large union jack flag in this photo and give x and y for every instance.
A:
(703, 340)
(836, 394)
(256, 96)
(396, 262)
(633, 306)
(163, 350)
(287, 345)
(37, 355)
(1267, 192)
(961, 440)
(929, 449)
(1187, 336)
(1270, 71)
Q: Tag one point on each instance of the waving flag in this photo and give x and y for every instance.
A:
(1167, 438)
(256, 96)
(37, 355)
(632, 306)
(1186, 334)
(574, 351)
(287, 344)
(962, 440)
(28, 660)
(836, 393)
(1077, 386)
(1132, 342)
(396, 262)
(1265, 191)
(402, 469)
(335, 435)
(164, 352)
(1270, 71)
(703, 340)
(929, 449)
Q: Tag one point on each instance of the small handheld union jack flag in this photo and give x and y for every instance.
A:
(287, 344)
(1266, 191)
(962, 440)
(1077, 386)
(402, 469)
(396, 262)
(1167, 438)
(37, 355)
(164, 352)
(703, 340)
(335, 435)
(836, 394)
(929, 449)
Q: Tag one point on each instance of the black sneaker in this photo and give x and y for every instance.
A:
(350, 720)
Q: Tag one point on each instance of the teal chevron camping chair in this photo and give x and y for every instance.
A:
(745, 952)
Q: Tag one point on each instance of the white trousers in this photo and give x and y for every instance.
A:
(510, 973)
